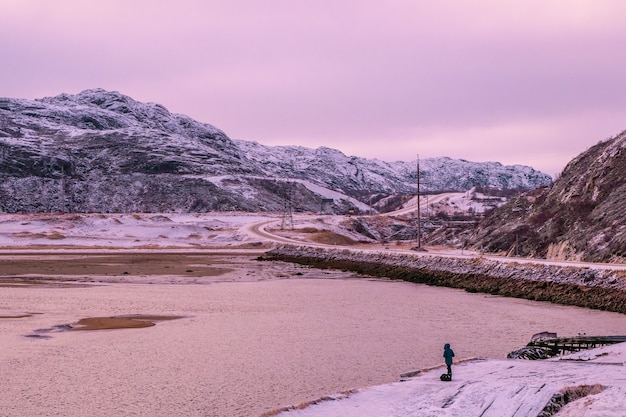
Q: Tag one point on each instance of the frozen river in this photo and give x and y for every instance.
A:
(259, 338)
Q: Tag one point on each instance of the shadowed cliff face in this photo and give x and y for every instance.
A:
(102, 151)
(582, 216)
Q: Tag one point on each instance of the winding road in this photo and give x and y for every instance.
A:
(259, 230)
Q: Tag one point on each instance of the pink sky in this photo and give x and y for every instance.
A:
(530, 82)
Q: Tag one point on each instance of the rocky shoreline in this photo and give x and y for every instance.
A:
(602, 289)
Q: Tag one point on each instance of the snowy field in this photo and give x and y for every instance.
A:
(124, 231)
(199, 230)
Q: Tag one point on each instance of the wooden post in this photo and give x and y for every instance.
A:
(419, 214)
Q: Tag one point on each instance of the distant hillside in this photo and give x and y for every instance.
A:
(102, 151)
(582, 216)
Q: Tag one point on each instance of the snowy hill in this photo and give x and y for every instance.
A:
(580, 217)
(355, 174)
(102, 151)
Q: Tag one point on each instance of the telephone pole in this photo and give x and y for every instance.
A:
(419, 208)
(287, 219)
(63, 206)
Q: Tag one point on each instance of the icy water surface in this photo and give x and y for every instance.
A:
(245, 348)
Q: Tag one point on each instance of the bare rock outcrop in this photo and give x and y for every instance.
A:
(581, 216)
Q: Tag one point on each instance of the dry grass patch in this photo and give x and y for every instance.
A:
(308, 230)
(25, 270)
(251, 245)
(55, 236)
(305, 404)
(568, 395)
(331, 238)
(28, 235)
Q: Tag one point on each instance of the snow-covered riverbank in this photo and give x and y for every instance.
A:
(495, 388)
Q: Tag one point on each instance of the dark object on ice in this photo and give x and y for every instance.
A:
(569, 395)
(39, 336)
(532, 353)
(545, 347)
(448, 354)
(446, 377)
(405, 376)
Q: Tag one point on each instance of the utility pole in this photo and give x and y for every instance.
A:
(63, 208)
(419, 207)
(287, 219)
(370, 191)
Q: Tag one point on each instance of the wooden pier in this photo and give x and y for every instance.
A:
(565, 345)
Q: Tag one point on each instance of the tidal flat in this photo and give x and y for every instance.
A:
(249, 336)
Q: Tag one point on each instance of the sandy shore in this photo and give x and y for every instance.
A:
(83, 268)
(53, 263)
(59, 269)
(122, 322)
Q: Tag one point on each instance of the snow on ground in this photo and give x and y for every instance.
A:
(155, 230)
(181, 230)
(451, 203)
(492, 388)
(204, 230)
(126, 230)
(316, 189)
(328, 193)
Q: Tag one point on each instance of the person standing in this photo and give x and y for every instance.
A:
(448, 354)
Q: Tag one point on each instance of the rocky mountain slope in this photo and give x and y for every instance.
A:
(582, 216)
(101, 151)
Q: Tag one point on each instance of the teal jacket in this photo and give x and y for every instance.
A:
(448, 354)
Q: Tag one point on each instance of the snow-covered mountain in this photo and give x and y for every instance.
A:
(102, 151)
(355, 174)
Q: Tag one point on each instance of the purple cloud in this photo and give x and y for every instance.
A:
(526, 82)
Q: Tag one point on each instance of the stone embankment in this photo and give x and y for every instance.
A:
(603, 289)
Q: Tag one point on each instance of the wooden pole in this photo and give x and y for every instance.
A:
(419, 208)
